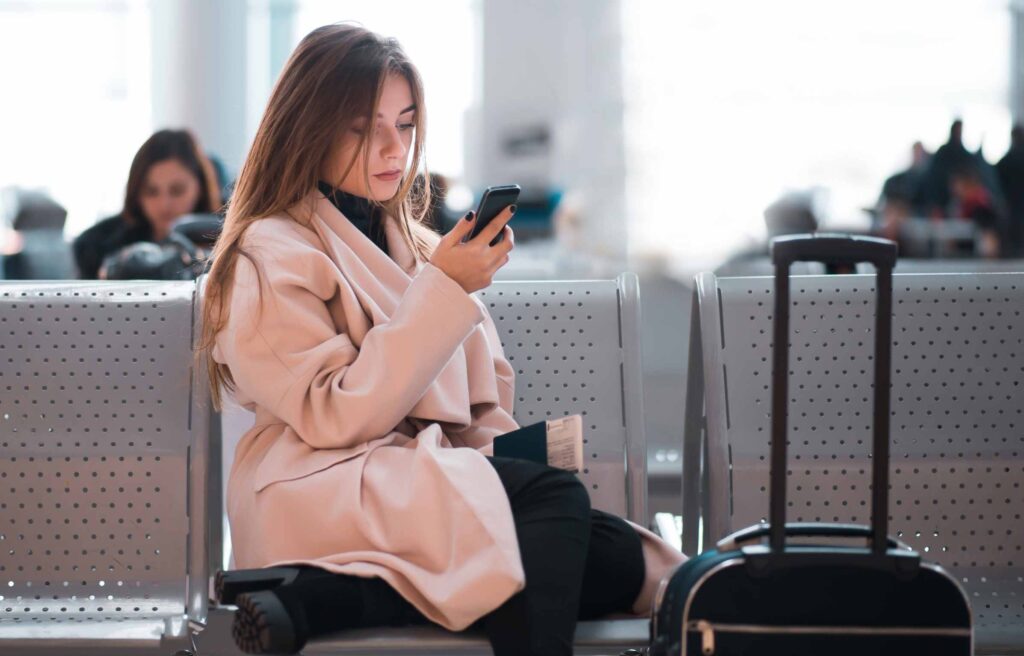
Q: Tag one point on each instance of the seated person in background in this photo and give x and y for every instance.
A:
(896, 204)
(437, 216)
(972, 201)
(169, 177)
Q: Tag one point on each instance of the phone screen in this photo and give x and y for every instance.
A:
(494, 200)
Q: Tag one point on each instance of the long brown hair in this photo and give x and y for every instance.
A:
(334, 77)
(163, 145)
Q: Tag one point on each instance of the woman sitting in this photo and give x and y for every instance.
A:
(169, 177)
(379, 384)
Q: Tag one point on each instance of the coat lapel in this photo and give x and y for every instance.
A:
(379, 281)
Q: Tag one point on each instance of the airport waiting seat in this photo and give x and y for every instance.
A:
(575, 347)
(761, 265)
(44, 253)
(962, 265)
(957, 461)
(107, 469)
(103, 442)
(922, 237)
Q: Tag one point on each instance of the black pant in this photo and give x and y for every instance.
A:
(580, 563)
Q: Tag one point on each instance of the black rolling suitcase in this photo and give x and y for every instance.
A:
(746, 597)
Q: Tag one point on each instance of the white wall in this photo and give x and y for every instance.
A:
(199, 72)
(555, 64)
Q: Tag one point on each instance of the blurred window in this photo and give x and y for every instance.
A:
(76, 100)
(729, 104)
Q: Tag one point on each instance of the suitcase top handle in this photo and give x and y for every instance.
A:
(803, 529)
(832, 249)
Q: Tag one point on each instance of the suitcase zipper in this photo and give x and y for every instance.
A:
(707, 637)
(707, 631)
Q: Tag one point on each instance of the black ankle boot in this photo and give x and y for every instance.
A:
(264, 625)
(281, 620)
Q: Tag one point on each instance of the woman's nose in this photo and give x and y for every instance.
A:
(392, 146)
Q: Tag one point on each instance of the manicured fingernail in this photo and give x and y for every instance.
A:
(512, 209)
(469, 215)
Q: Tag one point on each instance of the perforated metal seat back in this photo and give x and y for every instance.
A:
(957, 465)
(96, 414)
(575, 351)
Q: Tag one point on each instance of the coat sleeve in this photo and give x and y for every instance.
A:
(286, 353)
(498, 418)
(503, 371)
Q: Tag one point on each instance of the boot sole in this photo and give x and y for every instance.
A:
(262, 625)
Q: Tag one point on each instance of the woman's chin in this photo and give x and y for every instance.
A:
(385, 191)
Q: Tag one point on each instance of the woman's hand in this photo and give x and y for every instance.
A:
(472, 264)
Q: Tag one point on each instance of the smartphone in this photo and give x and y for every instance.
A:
(494, 200)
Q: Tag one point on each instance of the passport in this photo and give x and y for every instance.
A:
(554, 442)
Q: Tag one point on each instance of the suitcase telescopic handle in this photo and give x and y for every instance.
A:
(832, 249)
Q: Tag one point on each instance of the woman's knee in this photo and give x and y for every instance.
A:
(569, 490)
(539, 492)
(554, 496)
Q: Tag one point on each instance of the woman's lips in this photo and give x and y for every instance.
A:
(390, 176)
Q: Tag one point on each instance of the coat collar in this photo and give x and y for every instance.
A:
(381, 279)
(399, 256)
(467, 385)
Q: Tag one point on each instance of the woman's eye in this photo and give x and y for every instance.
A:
(406, 126)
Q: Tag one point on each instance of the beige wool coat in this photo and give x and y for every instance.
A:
(378, 385)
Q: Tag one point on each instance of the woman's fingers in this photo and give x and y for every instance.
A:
(461, 228)
(502, 249)
(496, 225)
(472, 264)
(509, 241)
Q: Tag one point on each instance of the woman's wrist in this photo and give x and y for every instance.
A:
(460, 302)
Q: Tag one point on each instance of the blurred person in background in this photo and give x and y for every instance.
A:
(1010, 170)
(933, 195)
(897, 198)
(169, 177)
(897, 202)
(438, 216)
(971, 200)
